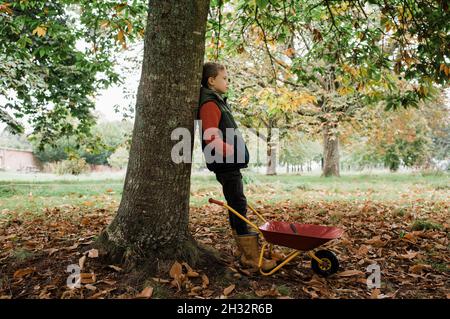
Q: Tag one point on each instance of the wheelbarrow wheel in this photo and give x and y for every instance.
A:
(329, 265)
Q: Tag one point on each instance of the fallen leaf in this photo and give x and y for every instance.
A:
(188, 268)
(273, 292)
(87, 278)
(51, 251)
(228, 290)
(245, 272)
(88, 203)
(90, 287)
(313, 294)
(99, 294)
(93, 253)
(375, 293)
(416, 269)
(363, 250)
(205, 281)
(409, 255)
(74, 246)
(146, 293)
(376, 242)
(192, 274)
(23, 272)
(196, 289)
(81, 262)
(349, 273)
(315, 282)
(176, 270)
(115, 268)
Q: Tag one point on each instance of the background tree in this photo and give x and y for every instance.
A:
(349, 54)
(55, 56)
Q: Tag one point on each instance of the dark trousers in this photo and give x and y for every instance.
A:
(233, 190)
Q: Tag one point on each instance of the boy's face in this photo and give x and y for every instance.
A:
(220, 82)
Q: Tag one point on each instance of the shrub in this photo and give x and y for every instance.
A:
(74, 166)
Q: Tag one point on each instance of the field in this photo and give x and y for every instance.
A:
(398, 221)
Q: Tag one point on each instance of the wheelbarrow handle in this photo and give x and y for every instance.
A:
(215, 201)
(231, 209)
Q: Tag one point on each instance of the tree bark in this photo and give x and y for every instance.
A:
(152, 219)
(330, 151)
(271, 154)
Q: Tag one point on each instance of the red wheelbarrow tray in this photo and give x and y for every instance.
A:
(306, 236)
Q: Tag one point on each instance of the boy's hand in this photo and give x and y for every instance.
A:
(229, 150)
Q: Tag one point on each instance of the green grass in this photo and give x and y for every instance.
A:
(307, 188)
(426, 225)
(284, 290)
(26, 192)
(22, 254)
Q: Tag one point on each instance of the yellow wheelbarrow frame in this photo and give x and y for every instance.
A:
(291, 256)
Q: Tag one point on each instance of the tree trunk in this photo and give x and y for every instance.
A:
(330, 151)
(271, 155)
(152, 220)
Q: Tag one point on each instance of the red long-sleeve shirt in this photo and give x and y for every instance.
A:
(210, 116)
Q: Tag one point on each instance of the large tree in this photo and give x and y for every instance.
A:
(152, 219)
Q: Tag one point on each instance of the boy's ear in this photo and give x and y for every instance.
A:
(209, 80)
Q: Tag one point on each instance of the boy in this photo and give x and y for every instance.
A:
(216, 118)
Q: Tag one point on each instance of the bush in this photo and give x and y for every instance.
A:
(119, 159)
(74, 165)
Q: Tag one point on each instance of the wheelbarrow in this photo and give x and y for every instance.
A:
(299, 237)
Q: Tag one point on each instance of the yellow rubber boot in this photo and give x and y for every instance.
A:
(250, 253)
(237, 252)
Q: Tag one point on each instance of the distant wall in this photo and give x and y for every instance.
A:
(18, 160)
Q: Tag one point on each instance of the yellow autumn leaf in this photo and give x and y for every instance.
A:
(120, 36)
(289, 52)
(343, 90)
(129, 26)
(104, 24)
(5, 8)
(40, 31)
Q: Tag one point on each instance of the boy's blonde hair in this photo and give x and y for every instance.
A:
(210, 70)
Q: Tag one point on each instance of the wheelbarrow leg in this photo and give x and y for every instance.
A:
(285, 261)
(313, 256)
